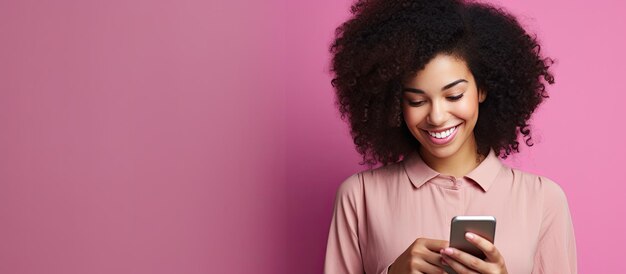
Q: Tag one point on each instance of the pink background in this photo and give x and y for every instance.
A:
(200, 136)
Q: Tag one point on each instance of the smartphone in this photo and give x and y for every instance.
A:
(484, 226)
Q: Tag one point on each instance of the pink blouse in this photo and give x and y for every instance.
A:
(378, 213)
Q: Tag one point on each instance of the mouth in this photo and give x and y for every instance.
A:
(443, 136)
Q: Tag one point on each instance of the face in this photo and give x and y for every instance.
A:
(440, 107)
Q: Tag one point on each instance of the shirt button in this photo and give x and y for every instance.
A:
(457, 184)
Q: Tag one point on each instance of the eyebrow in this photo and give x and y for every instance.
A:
(415, 90)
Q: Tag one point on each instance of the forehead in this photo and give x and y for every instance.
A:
(438, 72)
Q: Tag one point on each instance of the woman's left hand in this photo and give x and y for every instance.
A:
(463, 262)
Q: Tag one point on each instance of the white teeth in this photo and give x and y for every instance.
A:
(443, 134)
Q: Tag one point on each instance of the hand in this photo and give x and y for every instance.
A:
(422, 256)
(463, 262)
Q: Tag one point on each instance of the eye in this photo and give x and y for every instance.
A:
(455, 98)
(416, 103)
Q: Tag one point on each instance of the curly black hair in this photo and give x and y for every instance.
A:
(386, 41)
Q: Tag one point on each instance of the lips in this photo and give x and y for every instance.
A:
(442, 137)
(443, 133)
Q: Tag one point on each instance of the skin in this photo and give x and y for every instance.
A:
(463, 262)
(433, 108)
(442, 95)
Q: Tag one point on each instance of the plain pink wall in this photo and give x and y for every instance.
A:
(200, 136)
(141, 137)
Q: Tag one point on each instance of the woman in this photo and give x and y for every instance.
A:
(437, 92)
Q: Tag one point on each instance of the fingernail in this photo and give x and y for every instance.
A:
(449, 251)
(469, 235)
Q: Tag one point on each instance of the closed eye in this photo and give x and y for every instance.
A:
(416, 103)
(455, 98)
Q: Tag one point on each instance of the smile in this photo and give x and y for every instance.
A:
(443, 134)
(442, 137)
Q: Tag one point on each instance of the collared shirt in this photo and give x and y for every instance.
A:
(380, 212)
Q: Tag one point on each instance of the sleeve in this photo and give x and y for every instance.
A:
(343, 253)
(556, 249)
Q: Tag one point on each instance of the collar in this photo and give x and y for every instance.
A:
(484, 174)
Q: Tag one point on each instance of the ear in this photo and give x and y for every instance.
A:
(482, 95)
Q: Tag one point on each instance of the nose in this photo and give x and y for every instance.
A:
(437, 114)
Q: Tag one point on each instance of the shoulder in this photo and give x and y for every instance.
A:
(551, 189)
(545, 188)
(379, 177)
(537, 182)
(350, 185)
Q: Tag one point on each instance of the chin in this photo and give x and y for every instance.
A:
(442, 152)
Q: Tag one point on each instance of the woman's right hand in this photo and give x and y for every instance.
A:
(422, 256)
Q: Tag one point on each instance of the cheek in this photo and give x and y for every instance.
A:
(467, 110)
(406, 114)
(413, 116)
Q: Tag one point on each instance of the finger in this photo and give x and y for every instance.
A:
(432, 258)
(457, 266)
(466, 259)
(490, 250)
(425, 254)
(428, 249)
(425, 267)
(435, 245)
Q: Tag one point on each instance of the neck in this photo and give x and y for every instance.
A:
(459, 164)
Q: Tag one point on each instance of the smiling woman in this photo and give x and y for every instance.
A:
(441, 110)
(437, 92)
